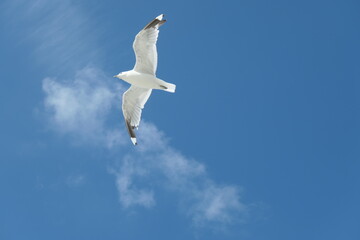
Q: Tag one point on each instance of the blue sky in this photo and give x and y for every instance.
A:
(260, 140)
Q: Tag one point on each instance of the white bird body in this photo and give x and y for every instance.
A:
(145, 80)
(143, 77)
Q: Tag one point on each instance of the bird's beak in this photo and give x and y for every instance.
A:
(115, 75)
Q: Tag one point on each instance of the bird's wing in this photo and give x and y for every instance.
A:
(133, 102)
(145, 46)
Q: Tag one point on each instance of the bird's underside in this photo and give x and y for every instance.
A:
(143, 77)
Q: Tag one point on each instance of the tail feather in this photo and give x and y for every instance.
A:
(169, 87)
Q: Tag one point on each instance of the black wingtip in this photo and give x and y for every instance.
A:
(158, 21)
(131, 132)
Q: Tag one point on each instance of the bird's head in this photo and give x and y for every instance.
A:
(120, 75)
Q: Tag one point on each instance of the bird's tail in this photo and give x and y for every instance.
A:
(169, 87)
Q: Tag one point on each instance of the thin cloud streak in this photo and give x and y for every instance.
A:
(62, 34)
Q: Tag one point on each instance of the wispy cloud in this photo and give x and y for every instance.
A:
(75, 181)
(61, 33)
(129, 193)
(205, 200)
(80, 107)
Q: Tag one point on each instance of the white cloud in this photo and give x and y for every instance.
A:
(206, 201)
(129, 194)
(80, 107)
(218, 204)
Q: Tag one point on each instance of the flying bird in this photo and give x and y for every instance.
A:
(143, 77)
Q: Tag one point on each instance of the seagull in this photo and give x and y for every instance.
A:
(143, 77)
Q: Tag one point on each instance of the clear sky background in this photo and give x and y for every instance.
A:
(260, 141)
